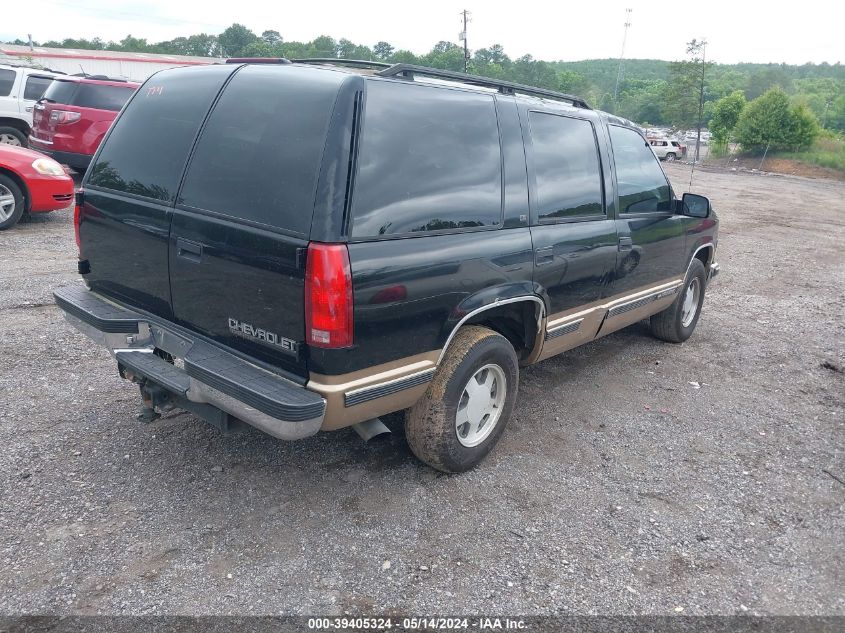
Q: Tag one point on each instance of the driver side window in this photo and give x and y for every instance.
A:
(642, 185)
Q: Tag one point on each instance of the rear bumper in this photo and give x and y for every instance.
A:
(205, 373)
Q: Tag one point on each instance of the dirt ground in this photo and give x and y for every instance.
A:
(776, 165)
(635, 476)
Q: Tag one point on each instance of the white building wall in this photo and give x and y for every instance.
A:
(133, 66)
(135, 71)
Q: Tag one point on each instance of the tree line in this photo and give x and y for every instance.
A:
(651, 92)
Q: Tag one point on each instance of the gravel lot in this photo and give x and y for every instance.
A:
(619, 487)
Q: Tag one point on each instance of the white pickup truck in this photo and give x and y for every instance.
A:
(20, 88)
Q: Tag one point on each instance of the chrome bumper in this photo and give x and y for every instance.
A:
(202, 373)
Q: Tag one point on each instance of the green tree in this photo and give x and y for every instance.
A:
(445, 55)
(382, 51)
(404, 57)
(271, 37)
(724, 117)
(835, 115)
(323, 46)
(131, 44)
(769, 122)
(235, 39)
(685, 90)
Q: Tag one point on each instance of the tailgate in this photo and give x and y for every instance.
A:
(131, 186)
(243, 218)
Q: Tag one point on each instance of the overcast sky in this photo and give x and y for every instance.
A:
(737, 30)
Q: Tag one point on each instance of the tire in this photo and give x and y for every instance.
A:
(476, 356)
(13, 136)
(675, 324)
(12, 202)
(670, 157)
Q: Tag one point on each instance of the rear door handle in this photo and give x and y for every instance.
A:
(192, 251)
(626, 244)
(543, 256)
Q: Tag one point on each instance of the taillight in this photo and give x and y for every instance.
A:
(77, 219)
(64, 116)
(328, 296)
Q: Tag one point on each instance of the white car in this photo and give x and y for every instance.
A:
(20, 88)
(667, 149)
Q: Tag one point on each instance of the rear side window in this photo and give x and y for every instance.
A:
(146, 150)
(566, 167)
(101, 97)
(259, 154)
(641, 182)
(61, 91)
(429, 160)
(35, 87)
(7, 80)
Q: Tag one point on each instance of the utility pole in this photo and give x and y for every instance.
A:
(622, 55)
(701, 98)
(463, 36)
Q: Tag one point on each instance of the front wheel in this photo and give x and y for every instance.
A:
(677, 322)
(670, 157)
(468, 403)
(11, 202)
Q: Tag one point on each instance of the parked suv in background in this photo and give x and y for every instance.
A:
(20, 88)
(74, 114)
(308, 247)
(667, 149)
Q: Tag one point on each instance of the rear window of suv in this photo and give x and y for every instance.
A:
(60, 91)
(146, 151)
(259, 154)
(84, 95)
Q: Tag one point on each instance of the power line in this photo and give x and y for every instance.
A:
(622, 54)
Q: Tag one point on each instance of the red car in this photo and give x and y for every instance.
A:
(74, 114)
(30, 182)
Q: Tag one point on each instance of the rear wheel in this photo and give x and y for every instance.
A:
(12, 136)
(677, 322)
(11, 202)
(670, 157)
(468, 403)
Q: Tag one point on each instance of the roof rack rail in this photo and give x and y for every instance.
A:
(363, 63)
(505, 87)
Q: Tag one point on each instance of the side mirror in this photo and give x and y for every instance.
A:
(695, 206)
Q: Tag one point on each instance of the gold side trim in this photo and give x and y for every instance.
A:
(593, 321)
(590, 318)
(335, 388)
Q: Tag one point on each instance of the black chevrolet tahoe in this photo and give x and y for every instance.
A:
(308, 246)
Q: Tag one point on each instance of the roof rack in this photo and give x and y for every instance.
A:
(362, 63)
(505, 87)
